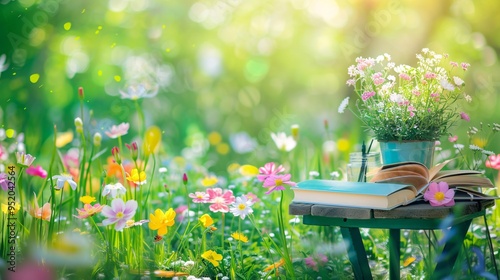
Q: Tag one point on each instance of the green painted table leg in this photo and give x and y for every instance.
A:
(395, 252)
(356, 252)
(446, 260)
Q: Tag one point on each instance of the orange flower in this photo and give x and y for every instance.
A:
(41, 213)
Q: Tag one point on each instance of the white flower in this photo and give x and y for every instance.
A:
(138, 91)
(3, 63)
(458, 146)
(283, 142)
(343, 105)
(396, 98)
(62, 179)
(488, 153)
(112, 190)
(468, 98)
(117, 131)
(24, 159)
(475, 148)
(458, 81)
(447, 85)
(242, 206)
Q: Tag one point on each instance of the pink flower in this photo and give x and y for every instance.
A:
(453, 139)
(465, 65)
(351, 82)
(453, 64)
(119, 213)
(252, 197)
(269, 169)
(493, 161)
(439, 194)
(310, 262)
(4, 182)
(430, 75)
(378, 79)
(416, 92)
(117, 131)
(219, 200)
(36, 171)
(199, 197)
(89, 210)
(464, 116)
(277, 182)
(404, 76)
(366, 95)
(315, 261)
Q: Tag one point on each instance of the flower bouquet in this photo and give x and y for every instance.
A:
(404, 103)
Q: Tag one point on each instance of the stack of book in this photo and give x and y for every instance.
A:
(392, 186)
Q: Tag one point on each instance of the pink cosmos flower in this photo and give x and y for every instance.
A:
(439, 194)
(219, 200)
(493, 161)
(36, 171)
(366, 95)
(4, 182)
(118, 213)
(464, 116)
(252, 197)
(453, 139)
(269, 169)
(117, 131)
(277, 182)
(199, 197)
(89, 210)
(465, 65)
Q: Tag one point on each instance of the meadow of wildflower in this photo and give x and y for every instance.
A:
(145, 139)
(102, 207)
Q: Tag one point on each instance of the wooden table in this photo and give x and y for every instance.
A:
(417, 216)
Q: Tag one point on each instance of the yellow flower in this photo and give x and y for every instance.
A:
(64, 138)
(13, 208)
(343, 145)
(249, 170)
(209, 181)
(233, 168)
(409, 261)
(160, 221)
(214, 138)
(239, 236)
(222, 148)
(152, 139)
(480, 142)
(87, 199)
(212, 257)
(206, 220)
(275, 265)
(139, 179)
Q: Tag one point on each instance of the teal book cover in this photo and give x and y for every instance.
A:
(378, 189)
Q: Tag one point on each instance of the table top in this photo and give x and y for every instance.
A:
(418, 215)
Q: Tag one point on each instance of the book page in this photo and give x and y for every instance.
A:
(435, 169)
(415, 167)
(417, 181)
(466, 180)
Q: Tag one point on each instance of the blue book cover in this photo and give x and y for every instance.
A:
(380, 189)
(354, 194)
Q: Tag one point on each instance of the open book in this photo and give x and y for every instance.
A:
(418, 175)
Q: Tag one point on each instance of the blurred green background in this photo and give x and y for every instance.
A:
(225, 65)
